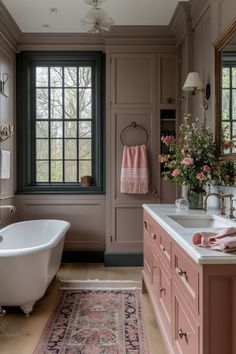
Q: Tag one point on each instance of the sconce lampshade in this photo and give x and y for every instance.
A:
(192, 82)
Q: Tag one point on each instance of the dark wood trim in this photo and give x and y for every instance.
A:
(83, 257)
(123, 259)
(219, 44)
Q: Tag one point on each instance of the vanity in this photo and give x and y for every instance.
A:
(192, 289)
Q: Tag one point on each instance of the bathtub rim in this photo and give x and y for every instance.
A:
(29, 250)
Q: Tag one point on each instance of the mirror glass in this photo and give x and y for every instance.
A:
(225, 85)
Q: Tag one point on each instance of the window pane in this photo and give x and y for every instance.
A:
(70, 77)
(70, 129)
(225, 104)
(71, 103)
(56, 77)
(42, 149)
(56, 171)
(84, 149)
(85, 74)
(226, 131)
(85, 103)
(70, 149)
(234, 77)
(85, 129)
(233, 104)
(56, 130)
(56, 149)
(41, 129)
(42, 171)
(56, 104)
(70, 171)
(226, 77)
(42, 103)
(42, 76)
(84, 169)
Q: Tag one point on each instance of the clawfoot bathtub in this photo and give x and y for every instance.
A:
(30, 255)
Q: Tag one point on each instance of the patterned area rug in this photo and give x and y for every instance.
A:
(95, 321)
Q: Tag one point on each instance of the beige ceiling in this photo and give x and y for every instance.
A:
(30, 15)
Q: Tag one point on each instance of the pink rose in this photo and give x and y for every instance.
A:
(200, 176)
(206, 169)
(167, 140)
(187, 161)
(175, 173)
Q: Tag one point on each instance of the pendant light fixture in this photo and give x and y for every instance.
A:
(97, 19)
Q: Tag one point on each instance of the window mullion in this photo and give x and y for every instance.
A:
(63, 125)
(49, 124)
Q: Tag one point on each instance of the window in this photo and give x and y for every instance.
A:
(229, 99)
(60, 117)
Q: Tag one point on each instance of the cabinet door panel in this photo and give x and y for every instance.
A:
(186, 332)
(127, 229)
(186, 275)
(133, 79)
(165, 293)
(133, 136)
(168, 84)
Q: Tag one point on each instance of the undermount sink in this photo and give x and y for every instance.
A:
(201, 221)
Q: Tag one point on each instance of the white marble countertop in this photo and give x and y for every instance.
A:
(183, 236)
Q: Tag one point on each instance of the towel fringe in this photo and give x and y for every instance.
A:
(134, 187)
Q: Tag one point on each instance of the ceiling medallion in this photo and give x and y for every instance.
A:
(97, 19)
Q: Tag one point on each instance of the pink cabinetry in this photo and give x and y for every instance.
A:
(194, 304)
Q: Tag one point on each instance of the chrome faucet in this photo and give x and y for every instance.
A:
(12, 208)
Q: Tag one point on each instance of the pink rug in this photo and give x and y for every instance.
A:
(95, 322)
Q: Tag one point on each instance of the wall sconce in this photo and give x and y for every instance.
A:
(194, 85)
(6, 130)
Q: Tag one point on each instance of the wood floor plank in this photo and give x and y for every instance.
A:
(20, 335)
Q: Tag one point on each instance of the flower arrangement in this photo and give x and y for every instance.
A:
(192, 159)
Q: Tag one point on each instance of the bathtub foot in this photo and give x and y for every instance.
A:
(27, 308)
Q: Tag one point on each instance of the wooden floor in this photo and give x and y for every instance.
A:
(19, 334)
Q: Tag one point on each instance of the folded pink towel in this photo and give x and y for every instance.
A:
(134, 170)
(224, 240)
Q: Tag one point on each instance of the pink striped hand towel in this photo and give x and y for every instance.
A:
(134, 170)
(224, 240)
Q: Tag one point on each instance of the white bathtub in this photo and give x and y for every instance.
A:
(30, 255)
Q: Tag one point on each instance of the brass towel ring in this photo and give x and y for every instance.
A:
(134, 125)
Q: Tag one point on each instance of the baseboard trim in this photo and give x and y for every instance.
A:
(123, 259)
(83, 257)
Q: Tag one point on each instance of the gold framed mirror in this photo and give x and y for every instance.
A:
(225, 86)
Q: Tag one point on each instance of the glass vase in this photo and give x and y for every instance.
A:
(195, 198)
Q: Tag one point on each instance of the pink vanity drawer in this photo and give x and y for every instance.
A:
(186, 332)
(186, 275)
(164, 245)
(164, 293)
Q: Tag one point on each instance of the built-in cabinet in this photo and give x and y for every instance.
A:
(194, 303)
(143, 88)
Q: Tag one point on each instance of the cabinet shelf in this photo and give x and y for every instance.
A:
(168, 119)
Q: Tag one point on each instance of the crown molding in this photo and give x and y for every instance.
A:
(198, 9)
(118, 35)
(181, 22)
(9, 31)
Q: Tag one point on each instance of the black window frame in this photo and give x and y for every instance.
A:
(25, 66)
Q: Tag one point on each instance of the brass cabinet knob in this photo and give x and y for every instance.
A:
(181, 272)
(145, 225)
(162, 290)
(154, 236)
(182, 334)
